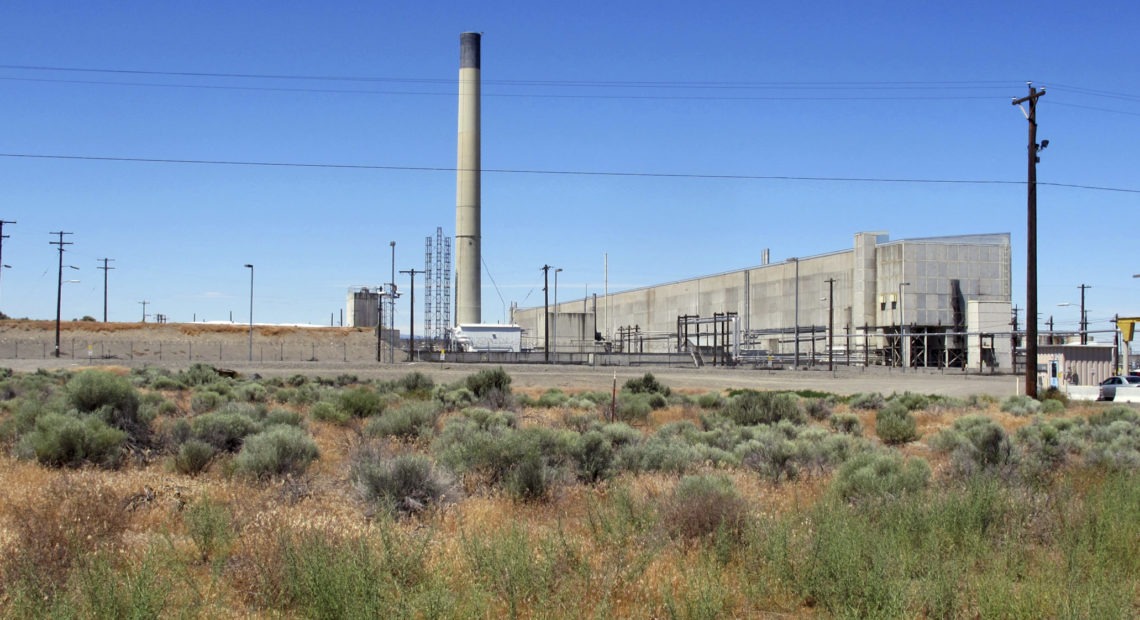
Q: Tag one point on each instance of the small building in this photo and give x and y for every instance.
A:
(487, 338)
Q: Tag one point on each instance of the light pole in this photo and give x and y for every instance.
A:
(392, 308)
(555, 343)
(796, 329)
(903, 361)
(250, 267)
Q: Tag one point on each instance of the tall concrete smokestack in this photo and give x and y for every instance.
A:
(468, 300)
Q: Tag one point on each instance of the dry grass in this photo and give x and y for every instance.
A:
(50, 519)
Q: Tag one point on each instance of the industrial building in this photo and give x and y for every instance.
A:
(938, 301)
(363, 306)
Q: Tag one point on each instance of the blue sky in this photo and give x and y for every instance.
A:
(746, 90)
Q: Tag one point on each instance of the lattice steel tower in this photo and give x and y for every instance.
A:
(437, 286)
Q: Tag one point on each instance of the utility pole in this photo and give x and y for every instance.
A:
(1084, 317)
(1031, 240)
(2, 238)
(546, 313)
(59, 286)
(830, 324)
(105, 269)
(144, 304)
(412, 314)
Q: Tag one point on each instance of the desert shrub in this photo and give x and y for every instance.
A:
(360, 402)
(72, 440)
(1055, 394)
(657, 401)
(664, 451)
(633, 407)
(408, 421)
(620, 434)
(328, 412)
(530, 478)
(847, 423)
(346, 379)
(278, 451)
(551, 398)
(975, 443)
(880, 474)
(647, 384)
(202, 401)
(1052, 406)
(283, 416)
(297, 380)
(416, 382)
(894, 424)
(193, 457)
(770, 453)
(1113, 439)
(580, 404)
(112, 397)
(454, 398)
(750, 407)
(1041, 447)
(225, 430)
(819, 451)
(704, 506)
(711, 400)
(210, 526)
(251, 393)
(911, 401)
(867, 401)
(487, 444)
(818, 408)
(594, 457)
(1021, 405)
(403, 484)
(1115, 413)
(199, 374)
(486, 382)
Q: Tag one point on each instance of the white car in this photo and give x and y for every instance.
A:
(1108, 386)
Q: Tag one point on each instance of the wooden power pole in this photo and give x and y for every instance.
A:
(1031, 241)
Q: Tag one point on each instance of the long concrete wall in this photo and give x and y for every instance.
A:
(942, 273)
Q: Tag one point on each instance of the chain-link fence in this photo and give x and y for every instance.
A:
(197, 350)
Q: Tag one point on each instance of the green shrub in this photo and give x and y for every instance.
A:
(403, 484)
(205, 400)
(711, 400)
(486, 383)
(648, 384)
(210, 527)
(224, 430)
(665, 452)
(867, 401)
(416, 382)
(633, 407)
(847, 423)
(880, 474)
(594, 457)
(487, 444)
(911, 401)
(529, 479)
(112, 397)
(749, 408)
(283, 416)
(1041, 448)
(278, 451)
(975, 443)
(328, 412)
(360, 402)
(551, 398)
(408, 421)
(199, 374)
(818, 408)
(657, 401)
(704, 506)
(454, 398)
(193, 457)
(894, 424)
(1021, 405)
(770, 453)
(252, 393)
(1052, 406)
(71, 440)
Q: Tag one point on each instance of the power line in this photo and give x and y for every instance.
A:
(601, 173)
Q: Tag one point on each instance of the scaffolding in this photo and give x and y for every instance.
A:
(437, 288)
